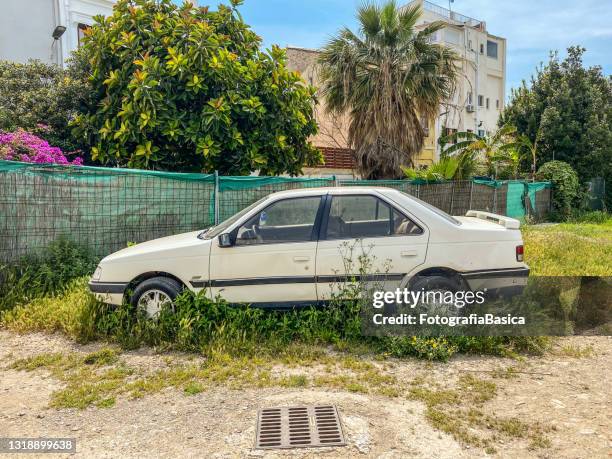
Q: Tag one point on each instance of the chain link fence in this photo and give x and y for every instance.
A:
(105, 208)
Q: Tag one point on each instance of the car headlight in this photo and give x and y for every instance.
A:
(97, 274)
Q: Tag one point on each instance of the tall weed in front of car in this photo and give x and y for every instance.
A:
(44, 273)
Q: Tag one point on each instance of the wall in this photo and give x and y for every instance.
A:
(25, 30)
(26, 27)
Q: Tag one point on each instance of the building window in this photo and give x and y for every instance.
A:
(81, 28)
(481, 48)
(487, 103)
(469, 101)
(480, 100)
(481, 133)
(491, 49)
(497, 104)
(470, 45)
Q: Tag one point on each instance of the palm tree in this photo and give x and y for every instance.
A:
(386, 78)
(492, 149)
(525, 144)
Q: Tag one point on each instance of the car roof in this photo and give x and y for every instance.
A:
(333, 190)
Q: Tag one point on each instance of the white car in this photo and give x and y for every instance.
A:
(289, 249)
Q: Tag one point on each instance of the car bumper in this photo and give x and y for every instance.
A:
(108, 292)
(498, 282)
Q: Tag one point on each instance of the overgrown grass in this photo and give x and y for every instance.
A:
(569, 249)
(211, 327)
(44, 273)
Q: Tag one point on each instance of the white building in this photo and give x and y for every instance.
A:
(27, 27)
(480, 94)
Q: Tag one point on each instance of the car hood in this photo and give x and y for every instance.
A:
(180, 245)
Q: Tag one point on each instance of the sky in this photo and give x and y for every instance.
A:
(532, 27)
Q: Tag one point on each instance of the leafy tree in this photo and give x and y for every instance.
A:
(42, 99)
(567, 108)
(386, 78)
(565, 182)
(493, 150)
(188, 89)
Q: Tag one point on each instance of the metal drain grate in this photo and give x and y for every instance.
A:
(299, 427)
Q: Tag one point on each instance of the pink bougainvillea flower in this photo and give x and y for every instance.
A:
(25, 146)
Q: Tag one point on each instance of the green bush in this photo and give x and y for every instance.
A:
(188, 89)
(42, 99)
(44, 273)
(566, 189)
(595, 216)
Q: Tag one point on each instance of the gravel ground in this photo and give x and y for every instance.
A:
(571, 395)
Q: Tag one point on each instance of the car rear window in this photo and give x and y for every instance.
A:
(434, 209)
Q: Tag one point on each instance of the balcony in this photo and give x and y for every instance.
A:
(451, 16)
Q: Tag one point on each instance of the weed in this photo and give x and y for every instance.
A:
(44, 273)
(577, 352)
(193, 388)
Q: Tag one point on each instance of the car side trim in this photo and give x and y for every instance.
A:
(107, 287)
(293, 280)
(490, 273)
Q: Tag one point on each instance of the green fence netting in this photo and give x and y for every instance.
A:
(107, 208)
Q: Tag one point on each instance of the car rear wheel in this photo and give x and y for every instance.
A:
(152, 295)
(439, 285)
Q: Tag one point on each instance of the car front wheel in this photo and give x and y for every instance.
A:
(152, 295)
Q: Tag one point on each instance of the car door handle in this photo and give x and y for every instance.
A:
(301, 258)
(409, 253)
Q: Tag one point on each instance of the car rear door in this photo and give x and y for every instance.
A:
(272, 262)
(364, 234)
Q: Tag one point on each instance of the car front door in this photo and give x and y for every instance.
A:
(272, 259)
(365, 237)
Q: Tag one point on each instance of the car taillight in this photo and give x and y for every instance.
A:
(519, 253)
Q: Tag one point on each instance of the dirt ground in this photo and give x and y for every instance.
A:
(570, 394)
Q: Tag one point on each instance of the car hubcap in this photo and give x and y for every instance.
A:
(152, 302)
(440, 308)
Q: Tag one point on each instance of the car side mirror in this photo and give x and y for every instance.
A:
(225, 240)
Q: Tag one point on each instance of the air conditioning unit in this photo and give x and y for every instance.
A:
(469, 108)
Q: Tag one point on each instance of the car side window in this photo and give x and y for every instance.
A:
(364, 216)
(289, 220)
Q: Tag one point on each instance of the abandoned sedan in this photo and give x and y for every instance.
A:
(290, 248)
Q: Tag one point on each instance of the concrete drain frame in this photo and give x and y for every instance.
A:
(310, 426)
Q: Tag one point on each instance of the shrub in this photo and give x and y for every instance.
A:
(44, 273)
(595, 216)
(566, 188)
(71, 311)
(42, 99)
(23, 146)
(188, 89)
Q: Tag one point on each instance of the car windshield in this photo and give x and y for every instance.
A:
(224, 225)
(434, 209)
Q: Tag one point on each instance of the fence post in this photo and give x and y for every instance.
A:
(452, 197)
(471, 190)
(494, 200)
(334, 180)
(216, 202)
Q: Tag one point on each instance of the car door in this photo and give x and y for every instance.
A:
(272, 261)
(363, 234)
